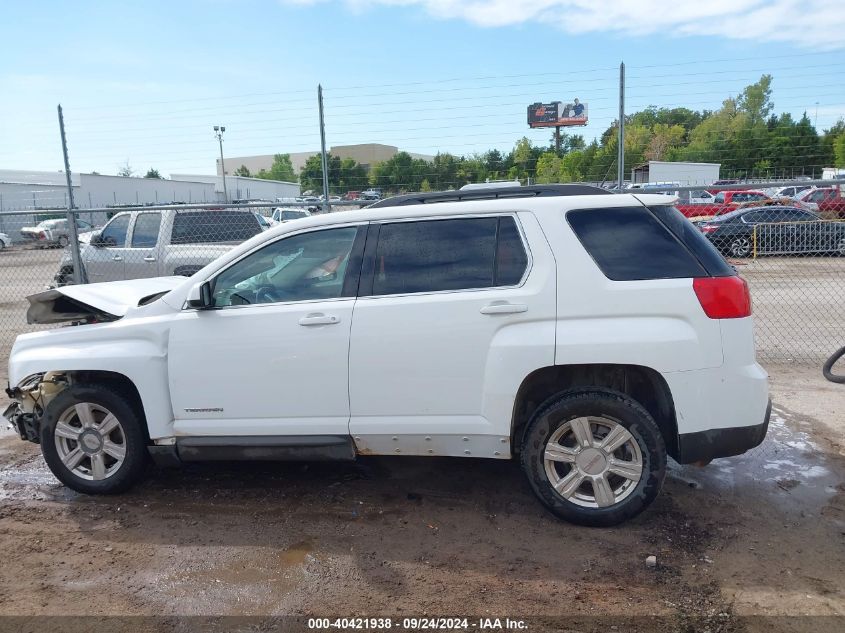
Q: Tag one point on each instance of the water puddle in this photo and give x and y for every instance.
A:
(788, 463)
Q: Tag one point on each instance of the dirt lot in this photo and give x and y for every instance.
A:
(760, 534)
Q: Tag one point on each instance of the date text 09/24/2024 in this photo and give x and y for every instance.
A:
(418, 624)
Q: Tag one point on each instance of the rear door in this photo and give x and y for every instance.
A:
(441, 336)
(141, 259)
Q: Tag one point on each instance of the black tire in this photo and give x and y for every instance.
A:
(600, 403)
(134, 439)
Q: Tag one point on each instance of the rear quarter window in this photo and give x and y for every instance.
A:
(630, 243)
(213, 226)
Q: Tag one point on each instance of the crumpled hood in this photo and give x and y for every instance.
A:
(106, 301)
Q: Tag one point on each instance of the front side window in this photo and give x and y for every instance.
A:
(438, 255)
(720, 197)
(114, 233)
(145, 233)
(309, 266)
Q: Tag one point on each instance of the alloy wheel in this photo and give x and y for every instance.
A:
(593, 462)
(90, 441)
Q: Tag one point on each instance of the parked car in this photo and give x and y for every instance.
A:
(282, 214)
(265, 222)
(371, 194)
(828, 201)
(415, 327)
(53, 232)
(5, 241)
(789, 192)
(739, 196)
(722, 183)
(774, 230)
(138, 244)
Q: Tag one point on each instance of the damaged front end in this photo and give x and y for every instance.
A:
(29, 400)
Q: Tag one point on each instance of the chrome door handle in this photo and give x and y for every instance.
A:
(504, 308)
(117, 258)
(319, 319)
(149, 258)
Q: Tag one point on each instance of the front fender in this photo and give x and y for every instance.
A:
(129, 349)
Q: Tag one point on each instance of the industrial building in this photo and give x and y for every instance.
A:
(683, 173)
(368, 154)
(33, 190)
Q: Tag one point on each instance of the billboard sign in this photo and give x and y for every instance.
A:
(557, 114)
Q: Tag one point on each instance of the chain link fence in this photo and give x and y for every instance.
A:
(792, 254)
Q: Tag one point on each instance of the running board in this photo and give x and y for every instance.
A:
(264, 447)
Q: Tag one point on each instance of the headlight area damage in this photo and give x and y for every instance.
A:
(30, 398)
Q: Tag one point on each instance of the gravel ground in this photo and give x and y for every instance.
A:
(756, 535)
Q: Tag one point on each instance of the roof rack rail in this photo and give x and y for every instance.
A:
(492, 193)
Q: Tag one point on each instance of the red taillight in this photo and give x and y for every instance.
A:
(723, 297)
(707, 229)
(42, 235)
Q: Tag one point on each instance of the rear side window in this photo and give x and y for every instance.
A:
(436, 255)
(213, 226)
(629, 243)
(703, 250)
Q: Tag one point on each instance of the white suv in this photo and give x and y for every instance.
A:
(585, 333)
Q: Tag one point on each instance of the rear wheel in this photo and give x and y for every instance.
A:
(740, 247)
(594, 457)
(92, 440)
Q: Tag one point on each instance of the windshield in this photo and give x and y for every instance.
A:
(293, 215)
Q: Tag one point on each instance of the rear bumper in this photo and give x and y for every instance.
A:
(726, 442)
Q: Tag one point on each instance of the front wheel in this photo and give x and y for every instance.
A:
(92, 440)
(594, 457)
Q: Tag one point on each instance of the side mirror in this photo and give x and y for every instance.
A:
(199, 296)
(97, 240)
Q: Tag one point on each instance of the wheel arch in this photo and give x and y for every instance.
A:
(641, 383)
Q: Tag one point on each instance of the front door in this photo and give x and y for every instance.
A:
(271, 358)
(106, 260)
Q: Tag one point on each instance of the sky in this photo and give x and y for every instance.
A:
(142, 83)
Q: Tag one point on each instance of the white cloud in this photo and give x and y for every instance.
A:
(812, 24)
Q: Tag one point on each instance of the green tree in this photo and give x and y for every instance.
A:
(242, 171)
(281, 169)
(125, 170)
(548, 168)
(839, 151)
(756, 100)
(152, 173)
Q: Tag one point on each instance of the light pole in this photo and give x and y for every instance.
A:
(218, 132)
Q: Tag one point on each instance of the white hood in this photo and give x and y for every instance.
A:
(107, 301)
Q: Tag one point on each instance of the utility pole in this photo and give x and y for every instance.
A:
(620, 160)
(79, 275)
(557, 139)
(218, 132)
(325, 158)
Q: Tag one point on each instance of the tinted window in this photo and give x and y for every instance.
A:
(630, 243)
(145, 233)
(213, 226)
(293, 215)
(298, 268)
(511, 259)
(720, 197)
(707, 254)
(435, 255)
(114, 233)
